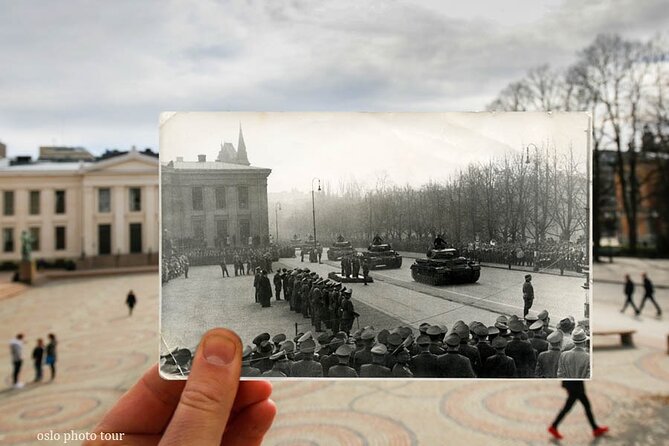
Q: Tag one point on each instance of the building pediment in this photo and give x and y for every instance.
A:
(129, 163)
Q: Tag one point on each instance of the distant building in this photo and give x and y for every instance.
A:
(216, 203)
(105, 211)
(64, 154)
(3, 150)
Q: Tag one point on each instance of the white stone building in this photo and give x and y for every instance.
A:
(100, 210)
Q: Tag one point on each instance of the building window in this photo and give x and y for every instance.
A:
(221, 232)
(244, 231)
(197, 199)
(60, 202)
(220, 198)
(135, 238)
(8, 239)
(198, 229)
(35, 236)
(60, 238)
(243, 197)
(34, 202)
(135, 199)
(8, 200)
(104, 200)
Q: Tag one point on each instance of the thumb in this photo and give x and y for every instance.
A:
(206, 401)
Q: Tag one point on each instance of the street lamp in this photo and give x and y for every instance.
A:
(313, 204)
(277, 208)
(536, 202)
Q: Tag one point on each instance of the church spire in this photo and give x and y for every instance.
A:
(242, 157)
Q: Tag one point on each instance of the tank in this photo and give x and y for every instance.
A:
(445, 266)
(382, 255)
(339, 249)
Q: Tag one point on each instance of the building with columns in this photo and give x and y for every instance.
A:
(101, 211)
(215, 203)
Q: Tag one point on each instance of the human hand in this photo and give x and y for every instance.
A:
(212, 407)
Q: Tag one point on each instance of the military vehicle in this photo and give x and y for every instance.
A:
(339, 249)
(382, 255)
(445, 266)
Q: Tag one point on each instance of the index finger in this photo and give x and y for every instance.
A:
(146, 408)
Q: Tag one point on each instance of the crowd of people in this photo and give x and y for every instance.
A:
(41, 354)
(512, 347)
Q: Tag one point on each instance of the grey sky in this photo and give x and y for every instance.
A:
(411, 148)
(97, 74)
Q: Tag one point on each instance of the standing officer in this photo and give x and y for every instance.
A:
(539, 344)
(365, 269)
(521, 352)
(376, 369)
(471, 352)
(481, 333)
(347, 312)
(342, 369)
(365, 355)
(528, 294)
(452, 364)
(424, 364)
(247, 369)
(316, 298)
(547, 362)
(499, 365)
(355, 266)
(307, 366)
(278, 282)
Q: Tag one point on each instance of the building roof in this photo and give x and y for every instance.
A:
(64, 154)
(65, 167)
(211, 165)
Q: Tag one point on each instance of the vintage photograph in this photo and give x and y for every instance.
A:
(378, 245)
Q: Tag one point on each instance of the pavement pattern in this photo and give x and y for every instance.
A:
(103, 351)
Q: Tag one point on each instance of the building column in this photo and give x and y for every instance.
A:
(150, 224)
(209, 202)
(48, 210)
(89, 241)
(119, 226)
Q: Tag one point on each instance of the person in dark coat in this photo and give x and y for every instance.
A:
(38, 356)
(307, 366)
(355, 266)
(365, 355)
(377, 368)
(401, 368)
(481, 333)
(521, 352)
(499, 365)
(347, 312)
(264, 290)
(365, 269)
(342, 369)
(316, 298)
(649, 290)
(247, 369)
(576, 392)
(278, 283)
(436, 335)
(424, 364)
(277, 371)
(452, 364)
(51, 354)
(629, 291)
(471, 352)
(130, 301)
(528, 294)
(537, 341)
(547, 362)
(330, 359)
(224, 267)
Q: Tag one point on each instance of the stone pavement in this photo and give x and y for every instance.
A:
(102, 352)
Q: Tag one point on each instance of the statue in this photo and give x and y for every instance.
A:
(26, 246)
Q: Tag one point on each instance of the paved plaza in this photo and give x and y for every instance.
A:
(102, 352)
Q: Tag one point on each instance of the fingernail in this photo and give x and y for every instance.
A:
(219, 350)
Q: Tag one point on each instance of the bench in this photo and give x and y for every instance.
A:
(625, 335)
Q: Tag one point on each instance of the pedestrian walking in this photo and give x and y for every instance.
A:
(649, 291)
(130, 301)
(576, 392)
(38, 359)
(16, 349)
(51, 354)
(224, 268)
(528, 294)
(629, 291)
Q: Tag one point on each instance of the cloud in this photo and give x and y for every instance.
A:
(98, 74)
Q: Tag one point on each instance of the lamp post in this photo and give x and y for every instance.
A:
(277, 208)
(536, 202)
(313, 204)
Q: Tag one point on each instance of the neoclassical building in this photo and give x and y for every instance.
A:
(221, 202)
(101, 209)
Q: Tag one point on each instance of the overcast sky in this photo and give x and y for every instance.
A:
(406, 148)
(97, 74)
